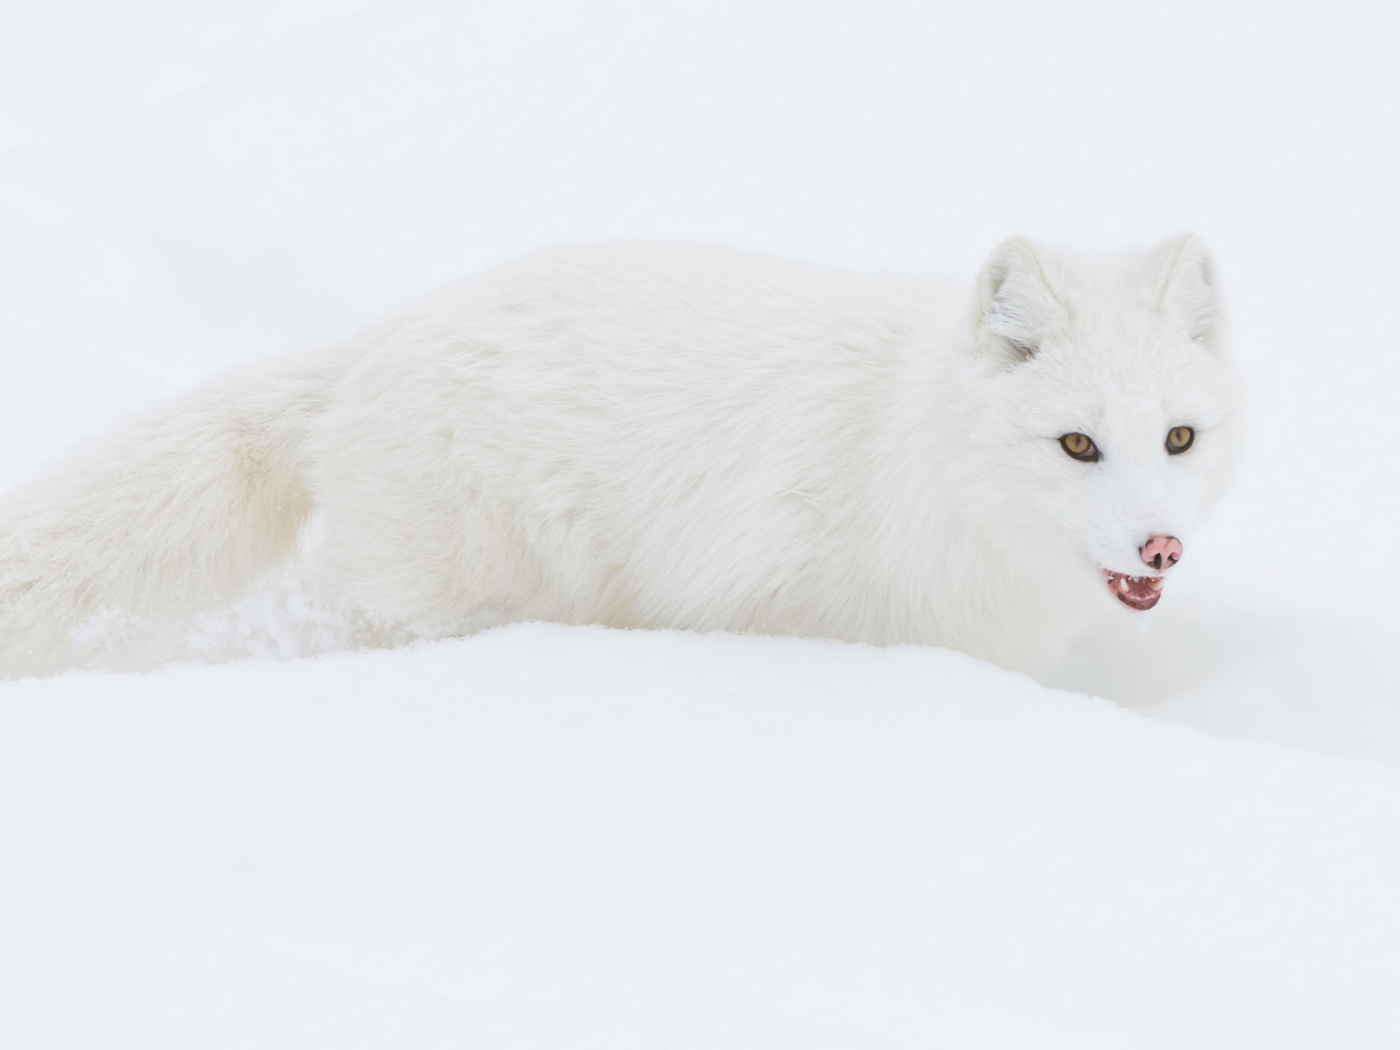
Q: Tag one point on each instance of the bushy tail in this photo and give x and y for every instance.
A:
(174, 513)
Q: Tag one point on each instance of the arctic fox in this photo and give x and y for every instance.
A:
(670, 436)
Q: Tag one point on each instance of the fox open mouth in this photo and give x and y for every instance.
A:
(1136, 592)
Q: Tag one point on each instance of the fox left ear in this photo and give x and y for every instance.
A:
(1015, 306)
(1191, 288)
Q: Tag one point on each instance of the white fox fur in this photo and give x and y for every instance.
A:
(672, 437)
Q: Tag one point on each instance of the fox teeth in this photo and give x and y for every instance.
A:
(1122, 583)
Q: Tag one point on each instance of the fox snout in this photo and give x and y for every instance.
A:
(1161, 552)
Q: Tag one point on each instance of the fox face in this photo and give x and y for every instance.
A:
(1113, 407)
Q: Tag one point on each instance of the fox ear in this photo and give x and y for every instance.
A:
(1015, 307)
(1190, 288)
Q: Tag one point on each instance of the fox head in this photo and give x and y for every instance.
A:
(1113, 408)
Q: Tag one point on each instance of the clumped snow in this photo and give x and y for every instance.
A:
(550, 837)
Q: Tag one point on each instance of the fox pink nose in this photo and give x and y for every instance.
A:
(1161, 552)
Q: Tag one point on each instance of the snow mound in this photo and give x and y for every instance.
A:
(550, 834)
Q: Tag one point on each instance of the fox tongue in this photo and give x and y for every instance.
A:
(1136, 592)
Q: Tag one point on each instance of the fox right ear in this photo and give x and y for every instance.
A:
(1191, 288)
(1015, 307)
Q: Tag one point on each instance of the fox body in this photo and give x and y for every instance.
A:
(669, 436)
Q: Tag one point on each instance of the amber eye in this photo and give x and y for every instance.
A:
(1179, 440)
(1081, 447)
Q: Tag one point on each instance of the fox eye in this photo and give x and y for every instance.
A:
(1179, 440)
(1080, 447)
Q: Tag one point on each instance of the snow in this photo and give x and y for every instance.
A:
(549, 837)
(582, 837)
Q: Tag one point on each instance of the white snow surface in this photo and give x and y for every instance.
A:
(550, 837)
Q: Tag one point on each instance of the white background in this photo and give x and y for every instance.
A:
(549, 837)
